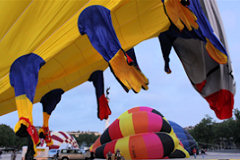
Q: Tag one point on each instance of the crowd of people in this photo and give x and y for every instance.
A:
(116, 156)
(203, 152)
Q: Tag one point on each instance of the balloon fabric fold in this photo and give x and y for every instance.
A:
(140, 133)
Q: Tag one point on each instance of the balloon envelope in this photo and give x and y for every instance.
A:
(140, 133)
(140, 146)
(187, 140)
(63, 140)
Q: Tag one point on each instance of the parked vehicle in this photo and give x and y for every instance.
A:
(68, 154)
(52, 153)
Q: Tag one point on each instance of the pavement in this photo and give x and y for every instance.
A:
(218, 155)
(208, 155)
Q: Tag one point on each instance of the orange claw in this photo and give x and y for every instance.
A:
(215, 54)
(128, 76)
(180, 15)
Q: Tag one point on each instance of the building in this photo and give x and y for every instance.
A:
(77, 133)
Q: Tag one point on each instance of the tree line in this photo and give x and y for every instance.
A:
(86, 139)
(207, 133)
(224, 135)
(8, 138)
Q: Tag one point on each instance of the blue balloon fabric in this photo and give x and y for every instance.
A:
(187, 140)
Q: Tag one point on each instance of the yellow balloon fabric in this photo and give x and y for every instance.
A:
(49, 29)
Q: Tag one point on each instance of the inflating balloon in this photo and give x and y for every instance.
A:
(134, 121)
(186, 139)
(140, 146)
(143, 125)
(60, 138)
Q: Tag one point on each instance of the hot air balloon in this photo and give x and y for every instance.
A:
(186, 139)
(140, 146)
(133, 132)
(209, 73)
(48, 45)
(61, 139)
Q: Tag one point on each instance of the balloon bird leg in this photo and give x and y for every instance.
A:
(49, 102)
(103, 38)
(24, 78)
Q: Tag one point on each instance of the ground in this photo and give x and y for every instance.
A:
(209, 155)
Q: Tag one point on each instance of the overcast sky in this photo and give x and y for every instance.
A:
(172, 95)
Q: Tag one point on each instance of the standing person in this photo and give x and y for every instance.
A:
(57, 155)
(0, 154)
(92, 156)
(13, 155)
(117, 155)
(202, 153)
(194, 151)
(109, 155)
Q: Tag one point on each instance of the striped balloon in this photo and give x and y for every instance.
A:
(187, 140)
(180, 152)
(134, 122)
(60, 138)
(140, 146)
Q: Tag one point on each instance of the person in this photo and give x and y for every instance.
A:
(109, 155)
(57, 155)
(117, 155)
(92, 156)
(13, 155)
(194, 151)
(0, 154)
(202, 153)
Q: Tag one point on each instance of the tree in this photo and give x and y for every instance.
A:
(20, 142)
(203, 132)
(87, 138)
(7, 136)
(223, 134)
(9, 139)
(236, 135)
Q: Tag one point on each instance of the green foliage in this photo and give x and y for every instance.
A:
(21, 141)
(9, 139)
(236, 134)
(7, 136)
(88, 139)
(203, 131)
(208, 132)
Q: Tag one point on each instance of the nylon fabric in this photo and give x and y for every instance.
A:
(46, 117)
(186, 139)
(96, 22)
(180, 152)
(98, 82)
(207, 76)
(49, 29)
(137, 147)
(50, 100)
(126, 126)
(13, 8)
(24, 74)
(123, 145)
(24, 106)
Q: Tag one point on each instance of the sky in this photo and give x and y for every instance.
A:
(171, 94)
